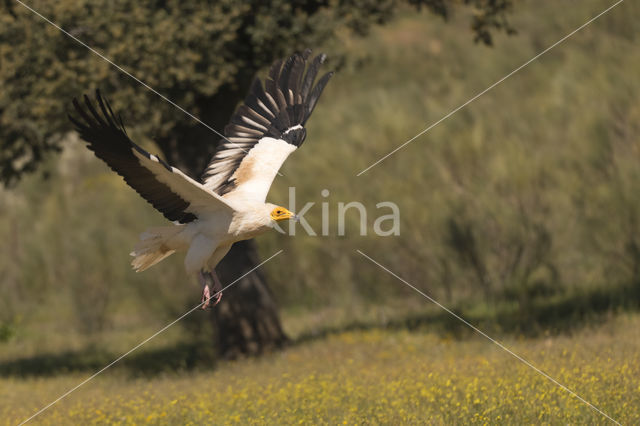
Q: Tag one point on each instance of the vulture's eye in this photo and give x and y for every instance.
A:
(278, 211)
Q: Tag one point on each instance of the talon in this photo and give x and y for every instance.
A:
(210, 298)
(217, 288)
(206, 297)
(217, 299)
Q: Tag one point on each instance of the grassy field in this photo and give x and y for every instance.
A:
(374, 376)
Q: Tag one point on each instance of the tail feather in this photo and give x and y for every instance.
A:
(154, 246)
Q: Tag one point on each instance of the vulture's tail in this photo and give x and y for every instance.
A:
(155, 245)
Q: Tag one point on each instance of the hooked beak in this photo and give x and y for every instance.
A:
(291, 216)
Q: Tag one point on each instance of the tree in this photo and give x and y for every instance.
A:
(202, 56)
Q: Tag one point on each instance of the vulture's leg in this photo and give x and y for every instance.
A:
(206, 292)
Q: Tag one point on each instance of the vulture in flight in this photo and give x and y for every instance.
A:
(228, 204)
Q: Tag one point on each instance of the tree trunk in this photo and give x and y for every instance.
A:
(246, 320)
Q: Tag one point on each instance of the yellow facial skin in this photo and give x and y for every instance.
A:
(280, 213)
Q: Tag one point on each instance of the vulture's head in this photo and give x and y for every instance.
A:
(278, 213)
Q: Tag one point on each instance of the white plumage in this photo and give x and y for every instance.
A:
(229, 204)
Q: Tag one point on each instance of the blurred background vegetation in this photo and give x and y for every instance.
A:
(203, 55)
(521, 211)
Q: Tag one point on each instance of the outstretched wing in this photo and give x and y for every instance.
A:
(266, 128)
(174, 194)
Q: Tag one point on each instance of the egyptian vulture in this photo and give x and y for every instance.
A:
(228, 204)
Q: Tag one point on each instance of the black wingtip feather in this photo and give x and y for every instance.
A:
(106, 136)
(289, 85)
(315, 94)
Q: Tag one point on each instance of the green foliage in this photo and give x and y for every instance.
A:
(7, 331)
(202, 55)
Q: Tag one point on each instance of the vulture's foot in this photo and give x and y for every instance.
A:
(217, 287)
(206, 297)
(209, 298)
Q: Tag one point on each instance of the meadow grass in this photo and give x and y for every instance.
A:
(371, 377)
